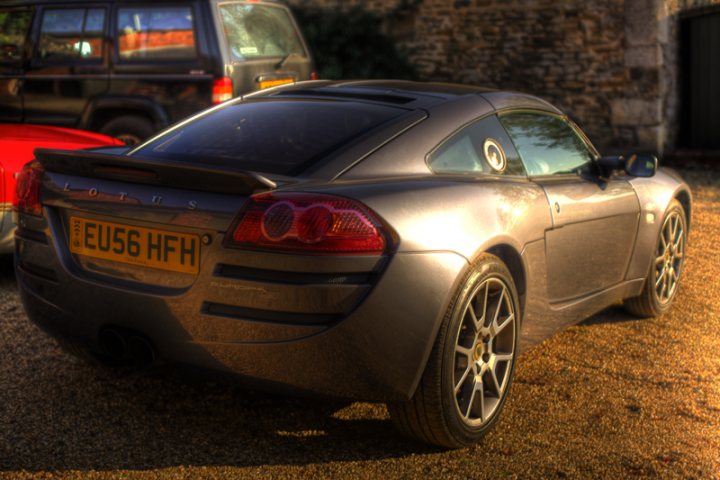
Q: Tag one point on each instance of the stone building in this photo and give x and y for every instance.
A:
(636, 74)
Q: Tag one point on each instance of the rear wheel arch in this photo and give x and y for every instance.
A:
(512, 259)
(431, 413)
(683, 196)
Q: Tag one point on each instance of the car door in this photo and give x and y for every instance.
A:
(595, 221)
(69, 64)
(14, 25)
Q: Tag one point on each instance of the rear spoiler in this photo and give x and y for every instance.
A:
(153, 172)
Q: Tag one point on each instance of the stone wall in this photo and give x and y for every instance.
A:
(612, 65)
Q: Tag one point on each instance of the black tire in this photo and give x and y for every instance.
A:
(651, 302)
(131, 129)
(434, 414)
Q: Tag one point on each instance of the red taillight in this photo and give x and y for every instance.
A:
(307, 223)
(27, 189)
(222, 90)
(313, 75)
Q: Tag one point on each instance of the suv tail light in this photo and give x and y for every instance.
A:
(222, 90)
(27, 189)
(307, 223)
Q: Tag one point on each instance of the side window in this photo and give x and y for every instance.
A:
(481, 147)
(547, 144)
(150, 33)
(14, 25)
(71, 34)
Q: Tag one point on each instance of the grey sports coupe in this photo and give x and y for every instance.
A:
(379, 240)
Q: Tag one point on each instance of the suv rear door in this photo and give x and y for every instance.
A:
(69, 63)
(162, 53)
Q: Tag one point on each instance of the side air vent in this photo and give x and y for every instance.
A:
(39, 271)
(243, 313)
(293, 278)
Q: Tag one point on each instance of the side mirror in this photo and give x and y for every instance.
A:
(635, 165)
(641, 165)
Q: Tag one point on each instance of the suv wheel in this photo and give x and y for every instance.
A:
(131, 129)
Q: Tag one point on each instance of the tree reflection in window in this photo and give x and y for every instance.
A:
(547, 144)
(259, 31)
(13, 29)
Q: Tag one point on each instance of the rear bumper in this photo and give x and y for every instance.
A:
(377, 352)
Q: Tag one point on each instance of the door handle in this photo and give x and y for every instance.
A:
(14, 86)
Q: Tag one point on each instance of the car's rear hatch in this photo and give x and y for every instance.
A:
(261, 44)
(158, 220)
(140, 222)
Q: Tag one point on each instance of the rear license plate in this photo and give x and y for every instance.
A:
(148, 247)
(274, 82)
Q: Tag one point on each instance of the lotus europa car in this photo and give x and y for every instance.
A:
(380, 240)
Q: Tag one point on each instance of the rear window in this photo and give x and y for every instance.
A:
(254, 31)
(150, 33)
(282, 137)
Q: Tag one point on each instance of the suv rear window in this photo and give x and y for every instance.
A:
(150, 33)
(282, 137)
(253, 31)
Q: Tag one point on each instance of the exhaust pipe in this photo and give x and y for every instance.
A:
(113, 343)
(140, 351)
(127, 347)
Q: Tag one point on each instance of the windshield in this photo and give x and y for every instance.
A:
(282, 137)
(256, 31)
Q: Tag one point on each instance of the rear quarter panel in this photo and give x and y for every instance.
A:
(464, 215)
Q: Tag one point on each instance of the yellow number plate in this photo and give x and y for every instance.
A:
(275, 82)
(149, 247)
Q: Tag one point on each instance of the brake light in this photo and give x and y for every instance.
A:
(222, 90)
(307, 223)
(27, 189)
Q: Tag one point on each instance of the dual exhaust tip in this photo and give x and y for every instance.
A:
(126, 347)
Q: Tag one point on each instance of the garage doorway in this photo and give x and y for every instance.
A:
(700, 80)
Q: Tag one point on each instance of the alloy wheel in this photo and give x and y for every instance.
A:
(669, 258)
(484, 352)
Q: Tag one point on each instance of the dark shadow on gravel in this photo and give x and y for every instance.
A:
(7, 273)
(65, 415)
(83, 418)
(610, 315)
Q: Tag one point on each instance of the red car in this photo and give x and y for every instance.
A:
(17, 144)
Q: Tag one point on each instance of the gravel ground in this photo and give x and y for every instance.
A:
(612, 397)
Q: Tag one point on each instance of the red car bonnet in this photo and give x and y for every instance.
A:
(18, 142)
